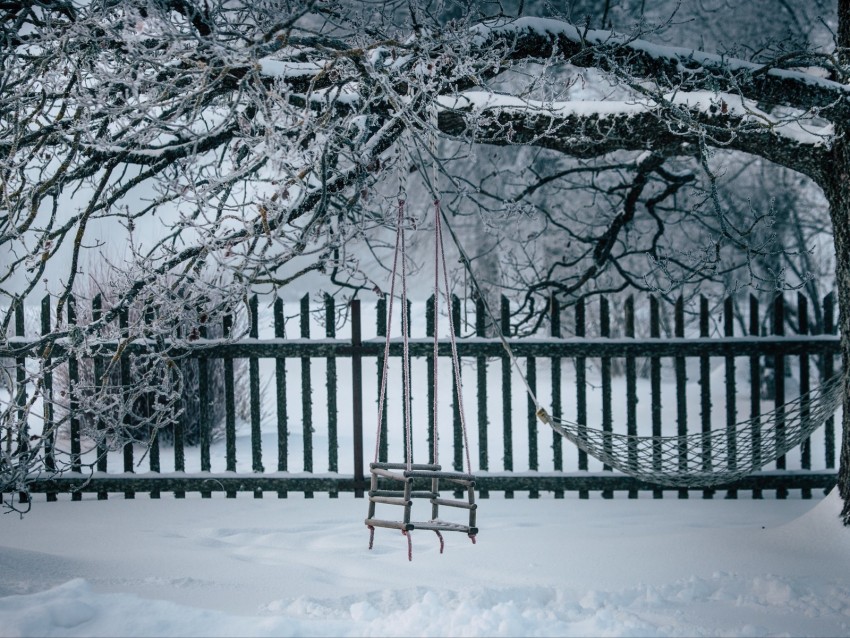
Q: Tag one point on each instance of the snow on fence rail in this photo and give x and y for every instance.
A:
(591, 356)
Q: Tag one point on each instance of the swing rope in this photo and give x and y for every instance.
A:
(383, 393)
(440, 268)
(405, 334)
(438, 231)
(540, 411)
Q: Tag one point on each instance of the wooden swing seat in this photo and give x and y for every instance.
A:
(418, 472)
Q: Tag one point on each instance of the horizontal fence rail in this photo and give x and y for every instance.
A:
(502, 429)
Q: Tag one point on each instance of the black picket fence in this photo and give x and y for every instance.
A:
(638, 360)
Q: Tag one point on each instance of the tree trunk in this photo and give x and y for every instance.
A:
(837, 189)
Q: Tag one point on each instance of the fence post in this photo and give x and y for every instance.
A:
(581, 390)
(507, 434)
(755, 391)
(180, 425)
(531, 377)
(280, 395)
(557, 439)
(731, 393)
(23, 438)
(306, 393)
(49, 422)
(481, 370)
(828, 373)
(605, 362)
(655, 386)
(149, 399)
(705, 395)
(99, 381)
(803, 329)
(631, 389)
(357, 397)
(254, 381)
(330, 333)
(407, 376)
(779, 384)
(126, 382)
(229, 404)
(382, 320)
(681, 398)
(430, 323)
(204, 424)
(457, 446)
(73, 399)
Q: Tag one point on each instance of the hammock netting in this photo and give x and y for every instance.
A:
(714, 457)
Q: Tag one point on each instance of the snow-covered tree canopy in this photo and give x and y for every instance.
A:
(259, 138)
(236, 145)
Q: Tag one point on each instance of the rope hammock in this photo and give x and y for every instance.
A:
(694, 460)
(708, 458)
(412, 475)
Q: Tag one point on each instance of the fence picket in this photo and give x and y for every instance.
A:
(731, 393)
(382, 326)
(481, 383)
(229, 405)
(681, 387)
(73, 401)
(333, 445)
(254, 392)
(655, 385)
(22, 443)
(557, 440)
(357, 398)
(306, 393)
(607, 415)
(149, 398)
(430, 322)
(631, 388)
(507, 434)
(457, 432)
(829, 328)
(49, 422)
(581, 389)
(407, 379)
(531, 378)
(803, 329)
(779, 384)
(204, 420)
(755, 389)
(705, 395)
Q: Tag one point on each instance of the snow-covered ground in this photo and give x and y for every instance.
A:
(270, 567)
(299, 567)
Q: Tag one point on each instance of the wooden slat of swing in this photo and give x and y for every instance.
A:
(443, 526)
(404, 466)
(452, 503)
(377, 522)
(386, 500)
(400, 494)
(454, 477)
(380, 469)
(387, 474)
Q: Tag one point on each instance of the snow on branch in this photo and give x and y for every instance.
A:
(677, 124)
(669, 67)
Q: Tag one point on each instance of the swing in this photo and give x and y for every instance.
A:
(420, 481)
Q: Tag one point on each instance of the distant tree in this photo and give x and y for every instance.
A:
(263, 137)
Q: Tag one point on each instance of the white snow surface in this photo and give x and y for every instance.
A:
(547, 567)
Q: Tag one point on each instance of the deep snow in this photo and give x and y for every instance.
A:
(299, 567)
